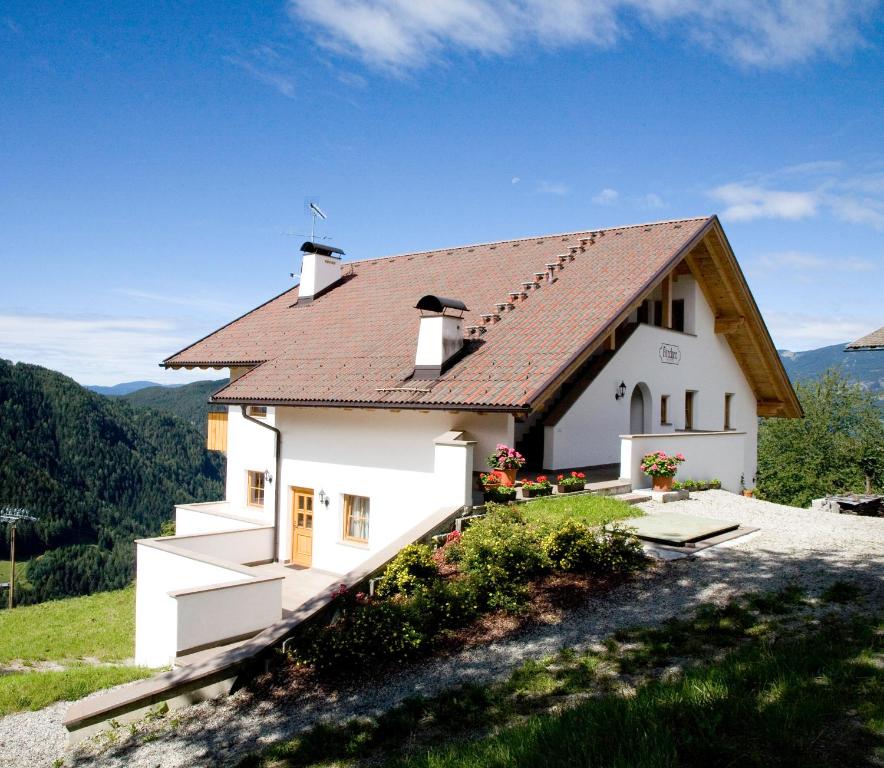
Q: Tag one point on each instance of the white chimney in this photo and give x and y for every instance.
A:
(320, 269)
(440, 336)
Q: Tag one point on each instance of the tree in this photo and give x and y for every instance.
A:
(833, 449)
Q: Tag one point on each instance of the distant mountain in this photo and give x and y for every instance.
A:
(867, 368)
(117, 390)
(97, 472)
(188, 401)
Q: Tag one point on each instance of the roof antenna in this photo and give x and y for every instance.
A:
(315, 211)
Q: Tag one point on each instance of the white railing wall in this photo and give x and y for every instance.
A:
(708, 456)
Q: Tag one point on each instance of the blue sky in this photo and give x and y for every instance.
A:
(155, 157)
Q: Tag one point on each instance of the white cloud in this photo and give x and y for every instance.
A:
(607, 196)
(266, 65)
(194, 301)
(745, 202)
(553, 188)
(515, 180)
(801, 261)
(94, 350)
(798, 331)
(400, 34)
(652, 200)
(806, 190)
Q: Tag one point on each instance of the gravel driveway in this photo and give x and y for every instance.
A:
(799, 546)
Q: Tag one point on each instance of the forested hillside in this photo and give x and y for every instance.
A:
(97, 472)
(190, 401)
(865, 368)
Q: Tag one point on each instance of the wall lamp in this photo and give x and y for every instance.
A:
(268, 478)
(323, 498)
(621, 391)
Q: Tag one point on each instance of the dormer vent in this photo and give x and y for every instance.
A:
(440, 336)
(320, 269)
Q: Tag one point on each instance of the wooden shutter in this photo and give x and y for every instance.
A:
(217, 432)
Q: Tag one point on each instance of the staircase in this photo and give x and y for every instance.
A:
(530, 445)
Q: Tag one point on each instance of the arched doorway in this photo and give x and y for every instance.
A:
(638, 411)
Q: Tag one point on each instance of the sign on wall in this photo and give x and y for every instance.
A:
(670, 353)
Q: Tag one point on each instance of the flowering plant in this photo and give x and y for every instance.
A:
(660, 464)
(506, 458)
(489, 479)
(575, 478)
(541, 483)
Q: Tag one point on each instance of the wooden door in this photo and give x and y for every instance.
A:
(302, 526)
(688, 410)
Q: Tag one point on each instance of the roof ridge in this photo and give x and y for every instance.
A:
(532, 237)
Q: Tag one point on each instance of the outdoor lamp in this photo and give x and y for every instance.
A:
(621, 391)
(268, 478)
(323, 498)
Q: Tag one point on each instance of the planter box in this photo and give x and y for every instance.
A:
(491, 495)
(570, 488)
(529, 494)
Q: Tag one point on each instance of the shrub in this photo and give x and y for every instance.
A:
(446, 605)
(573, 546)
(501, 553)
(364, 631)
(412, 568)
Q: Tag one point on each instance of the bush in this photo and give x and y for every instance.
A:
(446, 605)
(573, 546)
(363, 633)
(501, 553)
(412, 568)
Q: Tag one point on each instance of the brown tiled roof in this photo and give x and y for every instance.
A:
(355, 345)
(874, 340)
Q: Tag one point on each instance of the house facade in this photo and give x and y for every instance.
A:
(366, 399)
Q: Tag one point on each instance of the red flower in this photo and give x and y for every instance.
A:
(561, 477)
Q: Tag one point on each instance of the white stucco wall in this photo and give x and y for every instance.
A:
(245, 546)
(232, 611)
(211, 517)
(388, 456)
(158, 573)
(250, 447)
(589, 433)
(708, 456)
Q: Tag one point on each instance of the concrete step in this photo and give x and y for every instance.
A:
(632, 498)
(610, 487)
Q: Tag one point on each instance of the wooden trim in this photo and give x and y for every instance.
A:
(259, 486)
(348, 512)
(726, 325)
(216, 431)
(666, 290)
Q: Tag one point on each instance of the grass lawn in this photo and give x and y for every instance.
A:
(770, 680)
(592, 510)
(21, 572)
(35, 690)
(100, 626)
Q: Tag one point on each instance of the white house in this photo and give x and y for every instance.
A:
(366, 398)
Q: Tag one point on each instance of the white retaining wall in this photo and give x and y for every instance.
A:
(211, 517)
(708, 456)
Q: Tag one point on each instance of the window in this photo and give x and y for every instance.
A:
(258, 411)
(642, 313)
(689, 409)
(658, 313)
(664, 409)
(255, 495)
(728, 397)
(678, 315)
(356, 518)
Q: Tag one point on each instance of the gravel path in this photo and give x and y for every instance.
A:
(801, 546)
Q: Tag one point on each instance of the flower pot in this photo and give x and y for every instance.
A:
(748, 494)
(507, 476)
(569, 488)
(662, 483)
(528, 493)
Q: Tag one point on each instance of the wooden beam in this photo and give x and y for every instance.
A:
(728, 324)
(666, 287)
(611, 342)
(770, 407)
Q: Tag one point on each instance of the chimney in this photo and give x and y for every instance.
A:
(320, 270)
(440, 337)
